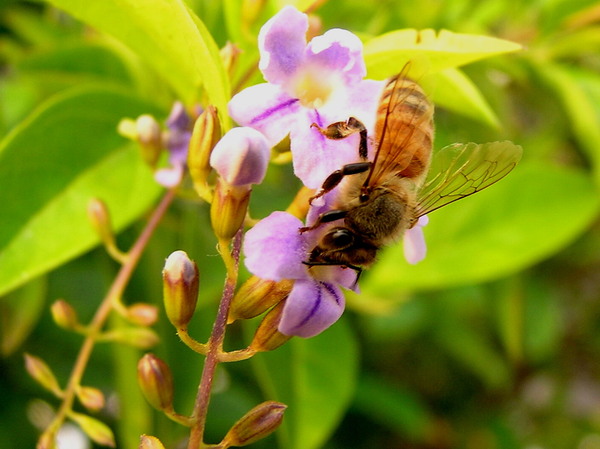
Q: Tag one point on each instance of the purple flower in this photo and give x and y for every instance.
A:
(320, 82)
(241, 156)
(414, 242)
(177, 142)
(275, 250)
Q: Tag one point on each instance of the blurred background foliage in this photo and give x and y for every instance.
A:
(492, 342)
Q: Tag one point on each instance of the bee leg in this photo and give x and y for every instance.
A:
(340, 130)
(336, 177)
(325, 217)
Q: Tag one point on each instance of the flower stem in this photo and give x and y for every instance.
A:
(215, 347)
(102, 313)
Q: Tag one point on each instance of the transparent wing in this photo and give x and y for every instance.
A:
(460, 170)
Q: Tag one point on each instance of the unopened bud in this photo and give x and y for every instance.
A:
(41, 372)
(64, 314)
(257, 295)
(149, 136)
(138, 337)
(206, 134)
(230, 55)
(142, 314)
(299, 205)
(180, 288)
(156, 382)
(255, 425)
(150, 442)
(91, 398)
(98, 431)
(267, 336)
(100, 219)
(228, 209)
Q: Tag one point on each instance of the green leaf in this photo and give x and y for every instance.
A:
(400, 410)
(579, 91)
(315, 378)
(428, 52)
(168, 36)
(51, 165)
(453, 90)
(19, 313)
(532, 213)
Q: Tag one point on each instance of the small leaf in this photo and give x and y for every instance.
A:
(453, 90)
(95, 429)
(428, 51)
(91, 398)
(41, 372)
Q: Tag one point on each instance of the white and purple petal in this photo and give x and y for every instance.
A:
(311, 308)
(337, 51)
(281, 42)
(275, 249)
(266, 108)
(414, 242)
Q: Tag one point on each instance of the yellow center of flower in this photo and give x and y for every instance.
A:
(313, 88)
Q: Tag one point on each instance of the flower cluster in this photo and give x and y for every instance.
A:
(318, 82)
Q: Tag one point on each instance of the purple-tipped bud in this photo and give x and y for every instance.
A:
(64, 315)
(150, 442)
(180, 288)
(267, 337)
(241, 157)
(91, 398)
(41, 372)
(255, 425)
(156, 382)
(257, 295)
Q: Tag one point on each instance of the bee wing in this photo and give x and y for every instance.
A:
(460, 170)
(402, 133)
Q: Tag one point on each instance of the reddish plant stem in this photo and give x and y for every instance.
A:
(215, 347)
(99, 319)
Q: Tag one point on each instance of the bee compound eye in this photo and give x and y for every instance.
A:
(341, 238)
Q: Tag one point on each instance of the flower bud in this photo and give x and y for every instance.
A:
(228, 209)
(258, 423)
(267, 337)
(100, 219)
(142, 314)
(138, 337)
(64, 315)
(98, 431)
(41, 372)
(300, 204)
(241, 157)
(150, 442)
(257, 295)
(149, 136)
(156, 382)
(229, 55)
(180, 288)
(91, 398)
(206, 133)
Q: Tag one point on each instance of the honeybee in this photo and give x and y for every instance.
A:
(380, 199)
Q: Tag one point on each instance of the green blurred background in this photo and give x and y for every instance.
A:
(492, 342)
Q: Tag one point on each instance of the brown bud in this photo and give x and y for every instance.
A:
(230, 55)
(150, 442)
(206, 133)
(41, 372)
(258, 423)
(228, 209)
(64, 315)
(257, 295)
(156, 382)
(142, 314)
(180, 288)
(267, 337)
(91, 398)
(96, 430)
